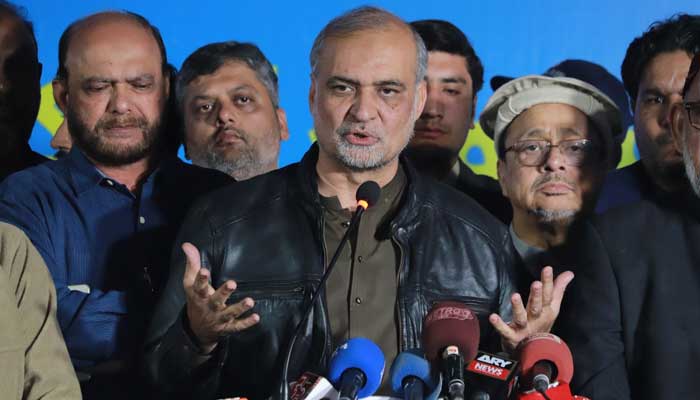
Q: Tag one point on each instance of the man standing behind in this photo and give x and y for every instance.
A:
(20, 72)
(554, 138)
(231, 305)
(633, 320)
(653, 72)
(227, 95)
(104, 217)
(454, 77)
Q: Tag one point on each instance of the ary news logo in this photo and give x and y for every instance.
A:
(490, 365)
(449, 312)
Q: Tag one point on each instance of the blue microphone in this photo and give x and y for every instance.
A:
(356, 369)
(411, 377)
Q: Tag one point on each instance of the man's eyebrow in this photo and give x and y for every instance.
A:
(343, 79)
(390, 82)
(454, 79)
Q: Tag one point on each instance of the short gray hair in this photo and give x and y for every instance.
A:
(209, 58)
(365, 19)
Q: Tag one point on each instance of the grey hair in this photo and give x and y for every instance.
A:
(367, 18)
(209, 58)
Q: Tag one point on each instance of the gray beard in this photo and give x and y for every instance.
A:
(553, 216)
(691, 171)
(245, 166)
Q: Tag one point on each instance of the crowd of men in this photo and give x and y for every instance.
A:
(128, 273)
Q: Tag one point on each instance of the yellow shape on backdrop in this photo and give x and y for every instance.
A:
(50, 117)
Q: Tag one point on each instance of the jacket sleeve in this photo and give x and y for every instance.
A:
(590, 319)
(174, 364)
(30, 317)
(90, 320)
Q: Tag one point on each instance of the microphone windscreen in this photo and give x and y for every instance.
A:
(545, 347)
(368, 191)
(362, 354)
(408, 364)
(450, 323)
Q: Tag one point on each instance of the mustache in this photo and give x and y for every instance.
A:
(350, 127)
(121, 122)
(552, 177)
(231, 130)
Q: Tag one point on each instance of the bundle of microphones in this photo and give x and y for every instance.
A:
(449, 364)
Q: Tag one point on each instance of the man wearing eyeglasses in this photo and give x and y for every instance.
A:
(554, 140)
(634, 323)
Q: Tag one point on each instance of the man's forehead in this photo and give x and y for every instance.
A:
(536, 123)
(13, 33)
(666, 72)
(232, 75)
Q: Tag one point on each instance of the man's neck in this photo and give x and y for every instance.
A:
(130, 175)
(335, 180)
(540, 234)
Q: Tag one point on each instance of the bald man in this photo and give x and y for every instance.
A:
(104, 217)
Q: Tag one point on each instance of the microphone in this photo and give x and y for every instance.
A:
(411, 377)
(451, 335)
(367, 195)
(547, 367)
(490, 377)
(356, 369)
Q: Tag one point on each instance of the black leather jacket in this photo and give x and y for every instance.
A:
(267, 235)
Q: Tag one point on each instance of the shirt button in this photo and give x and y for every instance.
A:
(142, 220)
(345, 224)
(109, 182)
(358, 300)
(359, 259)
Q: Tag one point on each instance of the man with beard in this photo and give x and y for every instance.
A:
(230, 306)
(227, 96)
(554, 137)
(20, 72)
(633, 320)
(653, 72)
(105, 216)
(454, 77)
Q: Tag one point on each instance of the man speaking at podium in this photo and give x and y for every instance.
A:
(255, 251)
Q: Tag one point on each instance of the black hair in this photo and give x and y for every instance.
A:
(209, 58)
(7, 8)
(440, 35)
(692, 73)
(67, 36)
(680, 32)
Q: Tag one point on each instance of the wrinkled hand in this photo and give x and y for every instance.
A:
(209, 316)
(541, 313)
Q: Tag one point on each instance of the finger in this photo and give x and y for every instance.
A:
(238, 325)
(233, 311)
(192, 264)
(201, 288)
(547, 277)
(501, 326)
(519, 312)
(560, 285)
(534, 301)
(217, 301)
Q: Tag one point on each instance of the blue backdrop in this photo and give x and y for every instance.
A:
(511, 37)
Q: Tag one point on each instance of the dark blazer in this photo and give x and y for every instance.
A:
(632, 314)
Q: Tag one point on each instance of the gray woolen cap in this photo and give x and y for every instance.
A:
(516, 96)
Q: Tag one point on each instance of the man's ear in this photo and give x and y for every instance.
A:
(282, 121)
(422, 93)
(312, 94)
(471, 123)
(677, 122)
(60, 93)
(502, 177)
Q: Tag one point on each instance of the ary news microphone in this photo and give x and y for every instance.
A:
(547, 367)
(356, 369)
(490, 377)
(412, 379)
(450, 336)
(367, 195)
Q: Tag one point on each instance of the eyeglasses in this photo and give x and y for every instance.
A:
(693, 109)
(533, 153)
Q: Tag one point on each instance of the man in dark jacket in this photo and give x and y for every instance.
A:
(265, 242)
(632, 316)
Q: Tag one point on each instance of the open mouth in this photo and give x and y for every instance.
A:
(360, 139)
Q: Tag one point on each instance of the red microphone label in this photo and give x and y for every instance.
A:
(489, 365)
(448, 312)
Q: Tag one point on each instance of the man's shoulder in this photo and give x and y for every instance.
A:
(240, 198)
(40, 178)
(454, 205)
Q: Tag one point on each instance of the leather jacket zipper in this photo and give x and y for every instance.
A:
(400, 309)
